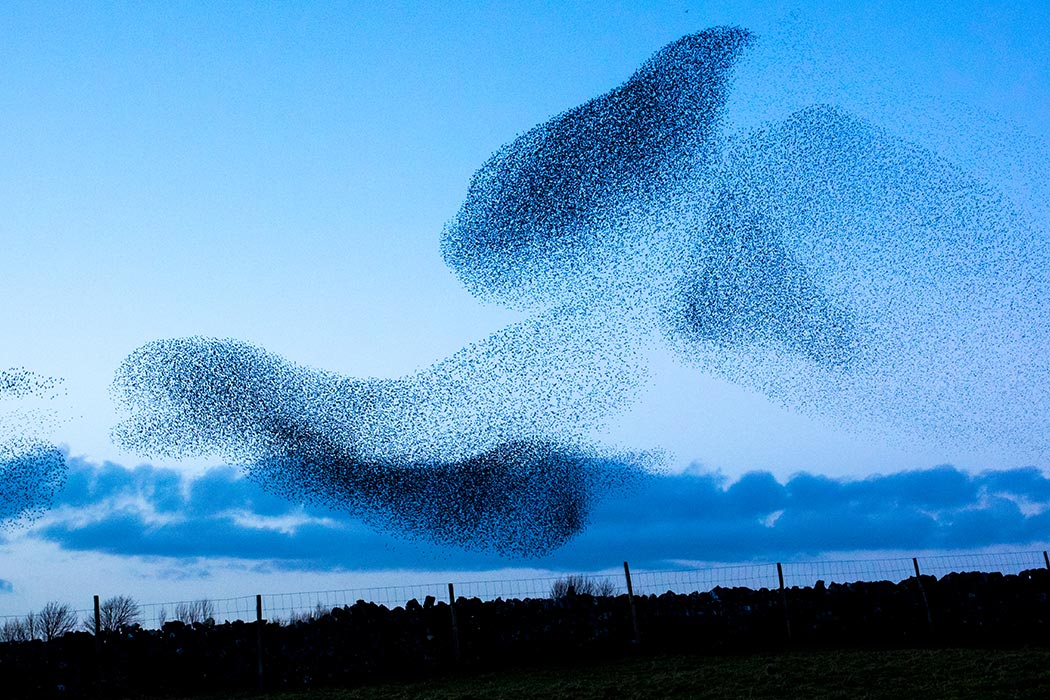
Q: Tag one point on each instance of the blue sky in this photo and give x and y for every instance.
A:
(281, 174)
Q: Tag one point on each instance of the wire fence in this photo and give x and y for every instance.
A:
(288, 607)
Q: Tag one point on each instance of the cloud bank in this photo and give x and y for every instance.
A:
(151, 512)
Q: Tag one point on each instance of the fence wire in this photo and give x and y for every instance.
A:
(290, 607)
(847, 571)
(754, 576)
(1006, 563)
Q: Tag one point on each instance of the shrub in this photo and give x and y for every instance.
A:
(193, 611)
(317, 613)
(580, 584)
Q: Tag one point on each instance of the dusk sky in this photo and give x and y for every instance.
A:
(281, 174)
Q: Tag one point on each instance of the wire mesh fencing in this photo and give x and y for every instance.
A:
(291, 607)
(542, 586)
(847, 571)
(154, 615)
(1006, 563)
(698, 580)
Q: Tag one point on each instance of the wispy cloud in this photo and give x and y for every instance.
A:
(148, 511)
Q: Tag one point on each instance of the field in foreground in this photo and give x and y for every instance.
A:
(856, 675)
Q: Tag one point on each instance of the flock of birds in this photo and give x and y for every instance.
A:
(819, 259)
(32, 469)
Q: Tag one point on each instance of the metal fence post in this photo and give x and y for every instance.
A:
(784, 599)
(259, 639)
(456, 653)
(630, 603)
(922, 590)
(98, 617)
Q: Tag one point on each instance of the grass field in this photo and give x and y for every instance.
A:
(856, 675)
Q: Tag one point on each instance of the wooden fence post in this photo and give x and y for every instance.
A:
(1046, 559)
(630, 603)
(456, 654)
(784, 599)
(259, 639)
(99, 676)
(922, 590)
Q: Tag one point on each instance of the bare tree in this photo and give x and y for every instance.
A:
(32, 625)
(116, 612)
(195, 611)
(56, 619)
(14, 630)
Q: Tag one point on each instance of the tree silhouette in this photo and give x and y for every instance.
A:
(55, 620)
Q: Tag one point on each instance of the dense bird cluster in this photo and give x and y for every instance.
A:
(31, 468)
(819, 259)
(417, 456)
(518, 499)
(594, 200)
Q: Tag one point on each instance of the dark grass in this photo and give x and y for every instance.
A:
(985, 674)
